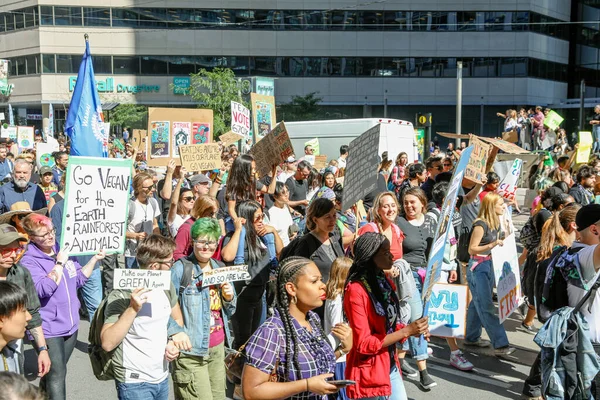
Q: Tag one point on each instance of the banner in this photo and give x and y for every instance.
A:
(51, 120)
(448, 310)
(85, 121)
(552, 120)
(25, 138)
(507, 276)
(436, 255)
(96, 205)
(508, 186)
(200, 157)
(131, 279)
(181, 135)
(361, 167)
(584, 148)
(263, 114)
(314, 143)
(240, 119)
(273, 149)
(222, 275)
(9, 132)
(4, 77)
(476, 168)
(230, 138)
(43, 153)
(11, 117)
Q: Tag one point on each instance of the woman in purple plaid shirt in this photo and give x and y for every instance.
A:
(289, 356)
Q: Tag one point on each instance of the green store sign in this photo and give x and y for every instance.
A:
(108, 86)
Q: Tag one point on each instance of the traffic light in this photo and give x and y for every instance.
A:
(423, 120)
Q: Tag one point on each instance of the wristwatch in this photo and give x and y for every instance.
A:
(42, 348)
(58, 263)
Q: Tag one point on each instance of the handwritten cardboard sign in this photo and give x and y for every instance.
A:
(200, 157)
(584, 148)
(552, 120)
(274, 148)
(476, 168)
(96, 203)
(448, 310)
(230, 138)
(25, 137)
(130, 279)
(361, 167)
(507, 275)
(320, 161)
(240, 119)
(225, 274)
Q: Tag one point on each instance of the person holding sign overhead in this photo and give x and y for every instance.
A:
(56, 279)
(206, 314)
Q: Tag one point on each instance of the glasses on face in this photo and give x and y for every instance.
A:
(149, 187)
(259, 218)
(439, 167)
(46, 235)
(161, 262)
(447, 165)
(188, 199)
(210, 244)
(7, 252)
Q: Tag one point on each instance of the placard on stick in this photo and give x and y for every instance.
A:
(448, 310)
(240, 119)
(274, 148)
(263, 114)
(477, 166)
(131, 279)
(230, 138)
(320, 161)
(225, 274)
(200, 157)
(96, 205)
(361, 167)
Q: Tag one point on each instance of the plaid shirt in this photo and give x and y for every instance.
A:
(267, 348)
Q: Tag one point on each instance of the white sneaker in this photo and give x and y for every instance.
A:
(429, 351)
(459, 362)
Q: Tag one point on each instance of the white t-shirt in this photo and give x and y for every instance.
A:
(142, 221)
(341, 162)
(589, 276)
(284, 176)
(281, 219)
(177, 222)
(334, 314)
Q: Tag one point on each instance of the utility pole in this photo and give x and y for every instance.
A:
(459, 68)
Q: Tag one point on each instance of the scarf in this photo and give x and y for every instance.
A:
(391, 309)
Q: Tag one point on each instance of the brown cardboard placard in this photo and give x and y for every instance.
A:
(200, 157)
(274, 148)
(161, 136)
(320, 161)
(477, 166)
(230, 138)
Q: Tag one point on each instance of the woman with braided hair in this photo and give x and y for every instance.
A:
(372, 309)
(291, 345)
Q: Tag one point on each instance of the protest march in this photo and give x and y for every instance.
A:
(230, 266)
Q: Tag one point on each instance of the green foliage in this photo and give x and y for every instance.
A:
(132, 116)
(301, 108)
(215, 90)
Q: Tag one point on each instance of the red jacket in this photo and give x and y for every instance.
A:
(368, 362)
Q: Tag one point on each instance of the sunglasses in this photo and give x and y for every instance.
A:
(447, 165)
(188, 199)
(10, 251)
(259, 218)
(439, 168)
(149, 187)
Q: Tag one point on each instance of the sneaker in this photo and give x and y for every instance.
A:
(425, 380)
(407, 370)
(459, 362)
(528, 328)
(504, 351)
(429, 351)
(479, 343)
(237, 393)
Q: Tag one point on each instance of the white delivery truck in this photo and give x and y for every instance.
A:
(396, 136)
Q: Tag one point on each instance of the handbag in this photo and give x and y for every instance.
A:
(235, 360)
(510, 136)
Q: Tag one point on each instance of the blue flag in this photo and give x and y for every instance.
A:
(85, 122)
(11, 117)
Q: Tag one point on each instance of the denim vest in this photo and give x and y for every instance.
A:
(195, 307)
(553, 338)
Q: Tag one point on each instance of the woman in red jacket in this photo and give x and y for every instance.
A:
(372, 308)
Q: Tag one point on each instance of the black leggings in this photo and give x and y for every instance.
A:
(248, 312)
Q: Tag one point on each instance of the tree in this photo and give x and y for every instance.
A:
(215, 90)
(129, 116)
(301, 108)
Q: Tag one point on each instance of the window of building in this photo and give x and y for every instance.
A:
(342, 20)
(370, 20)
(154, 65)
(181, 65)
(70, 16)
(21, 66)
(30, 17)
(33, 64)
(46, 16)
(243, 19)
(126, 18)
(152, 17)
(48, 64)
(239, 65)
(67, 63)
(293, 20)
(262, 65)
(126, 65)
(467, 20)
(102, 65)
(181, 18)
(10, 22)
(19, 19)
(2, 23)
(12, 66)
(93, 16)
(316, 20)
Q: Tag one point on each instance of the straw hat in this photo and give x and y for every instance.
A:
(20, 208)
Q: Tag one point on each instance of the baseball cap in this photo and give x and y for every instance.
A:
(199, 179)
(9, 234)
(587, 216)
(290, 160)
(45, 170)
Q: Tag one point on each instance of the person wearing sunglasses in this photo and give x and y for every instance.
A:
(12, 246)
(207, 310)
(56, 279)
(182, 202)
(434, 167)
(143, 213)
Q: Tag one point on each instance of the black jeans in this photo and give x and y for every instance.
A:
(59, 350)
(533, 383)
(248, 311)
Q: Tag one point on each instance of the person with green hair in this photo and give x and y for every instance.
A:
(206, 313)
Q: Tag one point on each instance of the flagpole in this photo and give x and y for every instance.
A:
(86, 37)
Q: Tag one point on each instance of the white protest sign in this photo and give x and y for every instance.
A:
(240, 119)
(130, 279)
(448, 310)
(43, 153)
(507, 275)
(508, 186)
(96, 205)
(225, 274)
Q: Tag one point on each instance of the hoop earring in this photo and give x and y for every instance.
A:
(293, 300)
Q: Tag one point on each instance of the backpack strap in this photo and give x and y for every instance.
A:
(186, 279)
(589, 294)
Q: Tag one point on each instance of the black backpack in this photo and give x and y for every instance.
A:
(551, 281)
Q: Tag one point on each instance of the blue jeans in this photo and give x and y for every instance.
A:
(131, 263)
(92, 291)
(398, 390)
(481, 310)
(417, 345)
(143, 391)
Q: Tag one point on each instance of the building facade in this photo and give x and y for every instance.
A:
(359, 55)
